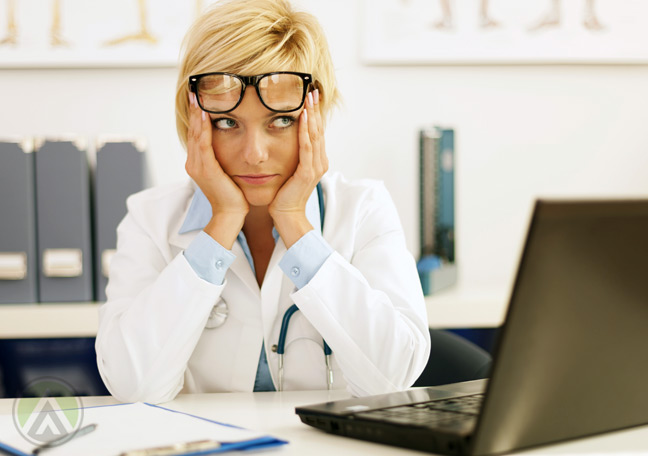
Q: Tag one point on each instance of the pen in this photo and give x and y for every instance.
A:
(177, 449)
(65, 438)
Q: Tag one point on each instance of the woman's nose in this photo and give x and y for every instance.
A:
(254, 149)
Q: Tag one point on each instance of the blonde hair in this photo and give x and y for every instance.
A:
(250, 37)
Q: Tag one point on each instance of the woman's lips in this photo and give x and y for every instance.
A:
(257, 179)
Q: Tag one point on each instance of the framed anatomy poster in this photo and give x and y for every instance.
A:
(505, 31)
(97, 33)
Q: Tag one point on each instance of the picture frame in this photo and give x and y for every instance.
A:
(101, 33)
(504, 32)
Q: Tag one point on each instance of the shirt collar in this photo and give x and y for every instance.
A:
(200, 212)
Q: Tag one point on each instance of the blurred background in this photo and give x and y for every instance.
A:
(560, 118)
(522, 130)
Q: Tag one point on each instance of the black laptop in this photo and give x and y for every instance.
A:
(571, 359)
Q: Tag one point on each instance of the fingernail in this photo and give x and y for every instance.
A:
(310, 99)
(305, 115)
(189, 98)
(202, 114)
(316, 96)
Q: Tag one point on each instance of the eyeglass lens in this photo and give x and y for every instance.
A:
(279, 92)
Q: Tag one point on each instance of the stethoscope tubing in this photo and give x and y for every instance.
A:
(285, 321)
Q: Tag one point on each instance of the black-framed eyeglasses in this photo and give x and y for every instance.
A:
(280, 91)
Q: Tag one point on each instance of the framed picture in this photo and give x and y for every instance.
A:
(97, 33)
(505, 31)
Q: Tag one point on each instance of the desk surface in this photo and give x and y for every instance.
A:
(274, 413)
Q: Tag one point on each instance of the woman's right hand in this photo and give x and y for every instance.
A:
(229, 206)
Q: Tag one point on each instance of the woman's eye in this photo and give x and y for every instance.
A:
(283, 122)
(224, 123)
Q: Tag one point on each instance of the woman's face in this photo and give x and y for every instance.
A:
(256, 147)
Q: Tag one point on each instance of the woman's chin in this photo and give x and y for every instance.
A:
(260, 196)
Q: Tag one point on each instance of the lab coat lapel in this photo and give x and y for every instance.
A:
(241, 268)
(271, 287)
(181, 240)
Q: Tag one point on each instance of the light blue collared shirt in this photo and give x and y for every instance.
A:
(210, 260)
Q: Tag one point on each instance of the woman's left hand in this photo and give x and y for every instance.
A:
(288, 209)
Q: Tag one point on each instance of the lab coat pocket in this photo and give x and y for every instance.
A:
(304, 362)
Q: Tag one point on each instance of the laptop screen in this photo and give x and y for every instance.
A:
(572, 359)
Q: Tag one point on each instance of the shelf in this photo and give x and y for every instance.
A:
(459, 309)
(25, 321)
(447, 309)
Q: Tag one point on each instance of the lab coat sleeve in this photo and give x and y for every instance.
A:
(302, 261)
(208, 258)
(156, 310)
(370, 308)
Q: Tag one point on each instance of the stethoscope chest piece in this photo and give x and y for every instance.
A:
(218, 315)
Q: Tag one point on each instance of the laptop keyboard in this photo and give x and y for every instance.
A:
(454, 412)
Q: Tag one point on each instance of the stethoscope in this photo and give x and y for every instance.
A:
(220, 311)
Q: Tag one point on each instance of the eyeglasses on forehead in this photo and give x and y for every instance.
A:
(279, 91)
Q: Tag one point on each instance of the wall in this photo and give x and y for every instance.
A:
(522, 132)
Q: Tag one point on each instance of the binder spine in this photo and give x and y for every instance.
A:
(64, 222)
(120, 172)
(18, 254)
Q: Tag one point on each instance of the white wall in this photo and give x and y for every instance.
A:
(522, 132)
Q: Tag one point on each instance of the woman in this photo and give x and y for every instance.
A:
(206, 270)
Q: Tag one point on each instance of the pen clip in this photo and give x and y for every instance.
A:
(177, 449)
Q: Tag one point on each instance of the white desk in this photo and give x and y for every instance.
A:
(274, 413)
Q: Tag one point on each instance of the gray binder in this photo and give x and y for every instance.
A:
(18, 257)
(120, 172)
(63, 221)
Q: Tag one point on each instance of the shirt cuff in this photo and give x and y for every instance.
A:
(306, 256)
(208, 258)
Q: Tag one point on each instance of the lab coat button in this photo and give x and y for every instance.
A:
(219, 264)
(295, 272)
(274, 348)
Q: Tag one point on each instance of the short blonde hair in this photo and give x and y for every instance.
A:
(250, 37)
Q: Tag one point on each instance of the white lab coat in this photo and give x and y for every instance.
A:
(365, 301)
